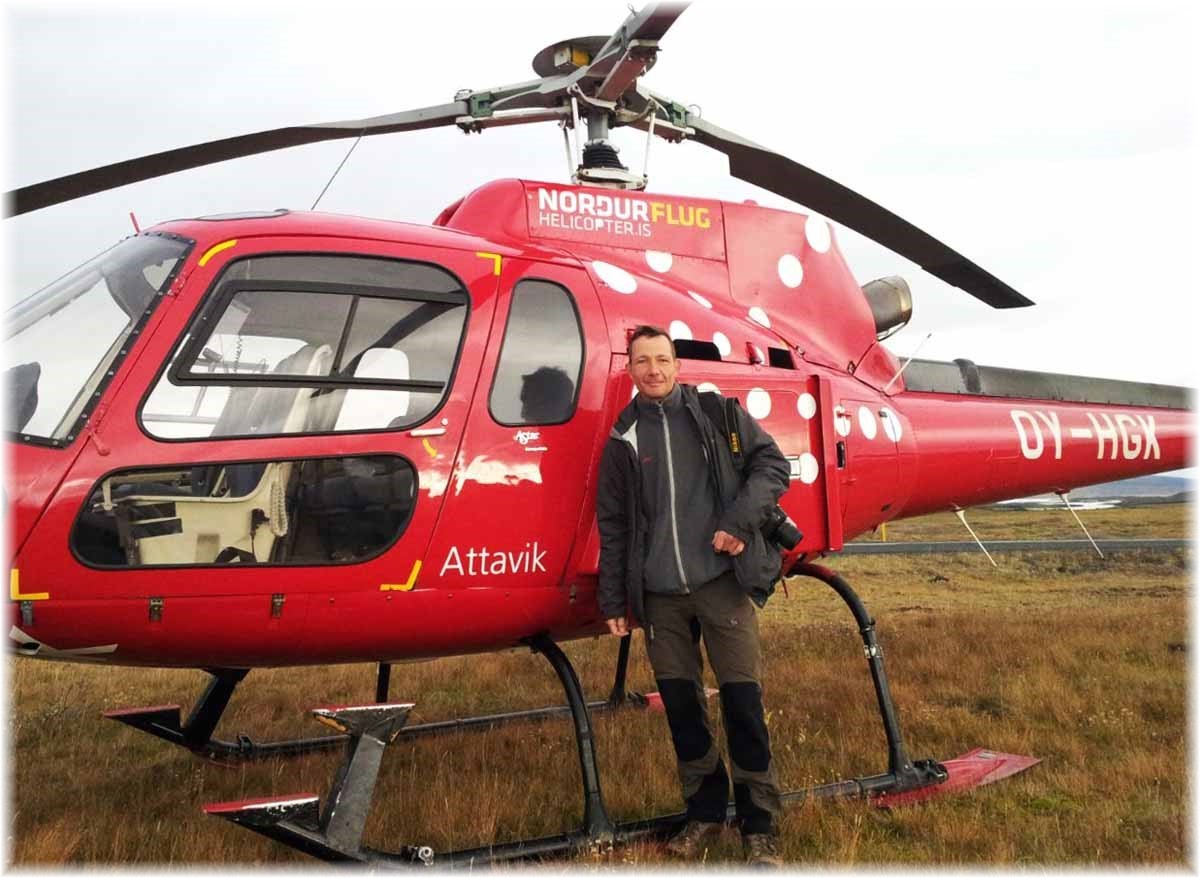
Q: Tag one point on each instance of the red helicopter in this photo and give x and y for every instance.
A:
(352, 440)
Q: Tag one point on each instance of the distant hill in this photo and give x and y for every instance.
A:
(1139, 491)
(1141, 486)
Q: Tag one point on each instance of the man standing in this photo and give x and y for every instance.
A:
(682, 552)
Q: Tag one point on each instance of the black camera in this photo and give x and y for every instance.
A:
(781, 530)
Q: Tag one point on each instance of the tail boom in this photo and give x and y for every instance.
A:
(968, 451)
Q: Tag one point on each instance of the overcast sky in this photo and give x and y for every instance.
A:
(1050, 143)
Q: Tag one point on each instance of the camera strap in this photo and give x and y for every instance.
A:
(723, 414)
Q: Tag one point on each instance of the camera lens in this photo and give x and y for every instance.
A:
(781, 530)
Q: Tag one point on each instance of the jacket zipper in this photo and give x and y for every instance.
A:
(671, 489)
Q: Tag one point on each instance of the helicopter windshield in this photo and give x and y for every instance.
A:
(62, 341)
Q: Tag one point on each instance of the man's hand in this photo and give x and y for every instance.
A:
(726, 542)
(617, 627)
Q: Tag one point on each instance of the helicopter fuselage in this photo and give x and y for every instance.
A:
(333, 501)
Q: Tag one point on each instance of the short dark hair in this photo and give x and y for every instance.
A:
(647, 330)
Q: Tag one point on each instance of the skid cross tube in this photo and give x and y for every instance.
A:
(335, 833)
(196, 733)
(907, 774)
(299, 822)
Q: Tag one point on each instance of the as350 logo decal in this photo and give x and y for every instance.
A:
(1131, 436)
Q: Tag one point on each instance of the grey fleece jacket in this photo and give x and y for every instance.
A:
(679, 498)
(744, 498)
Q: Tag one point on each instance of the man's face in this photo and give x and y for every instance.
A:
(653, 366)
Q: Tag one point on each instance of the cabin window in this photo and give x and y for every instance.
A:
(306, 511)
(537, 378)
(313, 344)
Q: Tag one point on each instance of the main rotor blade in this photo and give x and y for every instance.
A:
(652, 23)
(647, 25)
(631, 56)
(45, 194)
(770, 170)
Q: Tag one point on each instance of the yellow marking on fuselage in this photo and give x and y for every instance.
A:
(14, 589)
(215, 249)
(407, 586)
(496, 259)
(429, 449)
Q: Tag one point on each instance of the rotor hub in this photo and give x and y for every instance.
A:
(567, 55)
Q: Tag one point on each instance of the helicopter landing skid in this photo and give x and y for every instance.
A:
(196, 734)
(335, 832)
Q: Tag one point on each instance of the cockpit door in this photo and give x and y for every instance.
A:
(514, 500)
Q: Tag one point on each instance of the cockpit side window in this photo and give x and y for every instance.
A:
(313, 344)
(537, 377)
(64, 343)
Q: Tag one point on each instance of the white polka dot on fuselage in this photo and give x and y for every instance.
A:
(707, 387)
(679, 329)
(723, 344)
(841, 420)
(791, 272)
(816, 232)
(659, 260)
(806, 405)
(866, 422)
(758, 403)
(699, 298)
(759, 316)
(809, 468)
(891, 424)
(620, 280)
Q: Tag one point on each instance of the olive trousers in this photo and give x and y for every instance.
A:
(722, 615)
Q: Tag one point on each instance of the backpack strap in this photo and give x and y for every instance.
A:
(723, 414)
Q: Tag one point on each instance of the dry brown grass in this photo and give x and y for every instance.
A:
(1167, 520)
(1078, 661)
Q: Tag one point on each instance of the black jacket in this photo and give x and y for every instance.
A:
(746, 498)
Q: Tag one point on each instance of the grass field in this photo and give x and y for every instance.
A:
(1168, 520)
(1077, 660)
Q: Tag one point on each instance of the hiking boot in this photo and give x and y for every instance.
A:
(689, 842)
(762, 850)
